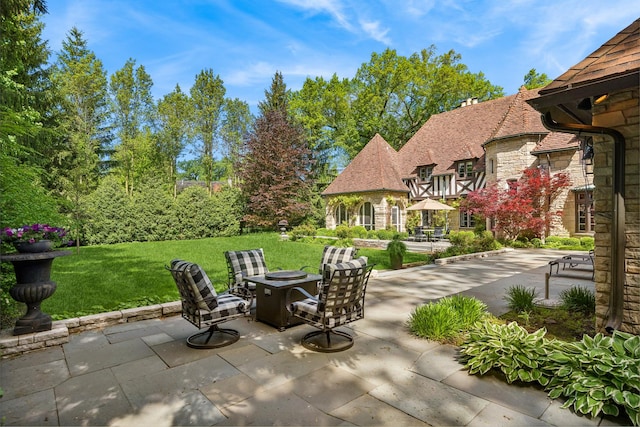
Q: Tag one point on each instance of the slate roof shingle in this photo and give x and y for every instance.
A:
(374, 168)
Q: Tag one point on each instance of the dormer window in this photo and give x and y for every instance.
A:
(424, 172)
(465, 169)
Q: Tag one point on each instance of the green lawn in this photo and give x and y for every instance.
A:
(109, 277)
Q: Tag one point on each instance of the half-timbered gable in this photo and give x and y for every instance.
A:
(453, 154)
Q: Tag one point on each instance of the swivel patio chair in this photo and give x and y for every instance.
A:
(335, 255)
(204, 308)
(242, 264)
(340, 302)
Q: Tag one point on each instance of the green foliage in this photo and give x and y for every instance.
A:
(325, 232)
(434, 321)
(108, 211)
(587, 242)
(386, 234)
(509, 348)
(569, 243)
(462, 238)
(359, 232)
(448, 318)
(594, 376)
(152, 213)
(303, 230)
(520, 298)
(343, 232)
(396, 247)
(467, 242)
(579, 299)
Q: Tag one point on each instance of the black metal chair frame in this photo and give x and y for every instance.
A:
(214, 336)
(343, 294)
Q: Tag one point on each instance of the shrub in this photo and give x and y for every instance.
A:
(484, 241)
(587, 242)
(579, 299)
(386, 234)
(301, 231)
(536, 242)
(343, 232)
(396, 247)
(359, 231)
(372, 234)
(520, 299)
(325, 232)
(463, 239)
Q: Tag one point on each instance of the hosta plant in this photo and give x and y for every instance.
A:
(598, 375)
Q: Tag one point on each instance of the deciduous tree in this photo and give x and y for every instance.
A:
(207, 95)
(175, 118)
(133, 115)
(275, 164)
(519, 208)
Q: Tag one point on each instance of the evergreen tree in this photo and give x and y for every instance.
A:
(81, 82)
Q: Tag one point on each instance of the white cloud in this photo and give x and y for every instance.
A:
(373, 30)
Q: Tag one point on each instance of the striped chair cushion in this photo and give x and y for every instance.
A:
(246, 263)
(196, 283)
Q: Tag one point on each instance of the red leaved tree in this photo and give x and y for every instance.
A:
(523, 207)
(275, 172)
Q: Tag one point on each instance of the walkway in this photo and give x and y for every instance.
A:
(143, 374)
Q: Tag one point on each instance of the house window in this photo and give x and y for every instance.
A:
(585, 221)
(467, 220)
(425, 172)
(341, 214)
(366, 217)
(491, 170)
(465, 169)
(395, 217)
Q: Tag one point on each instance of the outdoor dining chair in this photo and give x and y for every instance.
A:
(204, 308)
(340, 302)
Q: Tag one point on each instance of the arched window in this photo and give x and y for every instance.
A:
(366, 216)
(341, 214)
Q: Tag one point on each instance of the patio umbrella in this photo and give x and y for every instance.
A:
(430, 205)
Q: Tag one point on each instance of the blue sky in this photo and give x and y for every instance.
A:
(247, 41)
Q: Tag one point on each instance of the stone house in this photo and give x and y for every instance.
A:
(598, 100)
(456, 152)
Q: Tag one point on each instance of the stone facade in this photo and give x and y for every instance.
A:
(382, 203)
(621, 111)
(507, 158)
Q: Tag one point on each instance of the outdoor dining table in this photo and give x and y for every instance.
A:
(271, 294)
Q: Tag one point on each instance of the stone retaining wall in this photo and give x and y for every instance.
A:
(11, 345)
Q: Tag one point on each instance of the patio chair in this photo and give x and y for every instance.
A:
(438, 234)
(204, 308)
(340, 301)
(245, 263)
(419, 235)
(335, 255)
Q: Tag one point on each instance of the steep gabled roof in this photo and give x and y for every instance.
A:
(619, 56)
(520, 118)
(374, 168)
(614, 66)
(460, 134)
